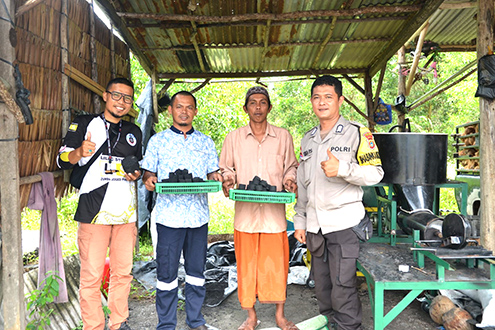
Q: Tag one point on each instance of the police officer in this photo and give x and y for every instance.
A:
(337, 158)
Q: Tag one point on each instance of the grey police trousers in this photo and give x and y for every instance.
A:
(333, 259)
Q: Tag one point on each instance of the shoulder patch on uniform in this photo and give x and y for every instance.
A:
(367, 151)
(73, 127)
(131, 139)
(312, 131)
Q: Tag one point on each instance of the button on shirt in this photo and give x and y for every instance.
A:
(171, 150)
(273, 160)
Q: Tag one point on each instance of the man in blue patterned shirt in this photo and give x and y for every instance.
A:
(182, 220)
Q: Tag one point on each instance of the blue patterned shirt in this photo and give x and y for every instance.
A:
(168, 151)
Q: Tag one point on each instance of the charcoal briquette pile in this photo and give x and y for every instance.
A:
(257, 184)
(181, 176)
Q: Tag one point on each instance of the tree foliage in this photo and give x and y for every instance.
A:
(220, 105)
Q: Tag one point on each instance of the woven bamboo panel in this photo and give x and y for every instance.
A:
(80, 97)
(38, 156)
(79, 41)
(103, 56)
(43, 21)
(104, 75)
(102, 33)
(47, 125)
(44, 85)
(78, 12)
(121, 49)
(33, 50)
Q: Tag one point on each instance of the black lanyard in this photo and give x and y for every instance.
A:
(107, 127)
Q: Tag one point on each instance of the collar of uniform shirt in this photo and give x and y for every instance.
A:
(178, 131)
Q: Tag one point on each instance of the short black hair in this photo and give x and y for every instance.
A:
(330, 81)
(186, 93)
(123, 81)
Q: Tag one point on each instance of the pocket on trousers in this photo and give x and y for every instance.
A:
(315, 244)
(347, 270)
(163, 263)
(84, 240)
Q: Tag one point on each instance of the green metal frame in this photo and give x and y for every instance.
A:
(389, 199)
(377, 289)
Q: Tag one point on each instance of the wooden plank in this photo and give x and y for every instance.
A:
(14, 312)
(487, 139)
(87, 82)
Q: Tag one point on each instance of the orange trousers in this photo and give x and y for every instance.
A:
(93, 241)
(262, 267)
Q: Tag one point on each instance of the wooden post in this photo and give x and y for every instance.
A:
(154, 80)
(64, 49)
(112, 53)
(92, 48)
(487, 139)
(401, 61)
(368, 93)
(14, 309)
(417, 56)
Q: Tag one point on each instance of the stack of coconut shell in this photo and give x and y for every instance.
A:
(444, 312)
(470, 140)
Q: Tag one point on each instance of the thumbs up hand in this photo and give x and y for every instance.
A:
(331, 166)
(87, 147)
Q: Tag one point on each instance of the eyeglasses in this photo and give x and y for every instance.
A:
(116, 96)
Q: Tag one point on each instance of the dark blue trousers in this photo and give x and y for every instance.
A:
(171, 242)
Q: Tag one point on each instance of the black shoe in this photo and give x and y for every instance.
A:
(124, 326)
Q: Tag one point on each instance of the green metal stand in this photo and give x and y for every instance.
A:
(386, 199)
(379, 264)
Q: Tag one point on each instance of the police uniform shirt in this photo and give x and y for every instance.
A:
(335, 203)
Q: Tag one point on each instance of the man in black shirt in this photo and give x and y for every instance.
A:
(107, 202)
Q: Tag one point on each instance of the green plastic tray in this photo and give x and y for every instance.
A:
(210, 186)
(262, 196)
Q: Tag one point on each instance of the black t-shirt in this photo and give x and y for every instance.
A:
(106, 197)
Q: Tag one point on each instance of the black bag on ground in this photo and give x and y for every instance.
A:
(364, 229)
(79, 172)
(486, 77)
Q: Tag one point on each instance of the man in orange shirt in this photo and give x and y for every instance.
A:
(260, 229)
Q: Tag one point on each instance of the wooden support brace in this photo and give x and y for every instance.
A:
(359, 111)
(203, 84)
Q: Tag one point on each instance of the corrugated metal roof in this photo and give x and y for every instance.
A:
(227, 38)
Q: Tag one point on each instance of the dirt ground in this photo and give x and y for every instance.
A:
(301, 305)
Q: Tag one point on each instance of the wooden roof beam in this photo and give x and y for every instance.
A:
(281, 44)
(275, 17)
(184, 25)
(120, 25)
(215, 75)
(412, 25)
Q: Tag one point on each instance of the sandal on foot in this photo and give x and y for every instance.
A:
(246, 326)
(289, 325)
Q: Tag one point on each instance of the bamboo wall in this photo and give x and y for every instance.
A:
(38, 54)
